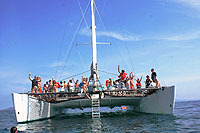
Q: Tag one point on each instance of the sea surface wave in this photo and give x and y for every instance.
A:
(186, 118)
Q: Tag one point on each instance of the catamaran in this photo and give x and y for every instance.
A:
(32, 106)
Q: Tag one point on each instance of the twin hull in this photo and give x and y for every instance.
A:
(28, 108)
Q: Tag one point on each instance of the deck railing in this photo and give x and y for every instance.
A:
(60, 96)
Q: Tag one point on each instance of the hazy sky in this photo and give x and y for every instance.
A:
(145, 34)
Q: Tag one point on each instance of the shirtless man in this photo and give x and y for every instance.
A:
(85, 87)
(65, 86)
(76, 85)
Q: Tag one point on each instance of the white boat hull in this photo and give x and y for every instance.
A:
(28, 108)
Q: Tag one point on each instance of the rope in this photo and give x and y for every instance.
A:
(62, 42)
(108, 72)
(75, 34)
(81, 58)
(101, 10)
(127, 48)
(75, 75)
(112, 39)
(83, 14)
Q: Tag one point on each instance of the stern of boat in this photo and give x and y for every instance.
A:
(160, 102)
(28, 108)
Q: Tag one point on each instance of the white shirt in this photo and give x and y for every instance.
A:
(62, 88)
(71, 86)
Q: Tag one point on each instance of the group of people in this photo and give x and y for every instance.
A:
(127, 81)
(124, 81)
(62, 86)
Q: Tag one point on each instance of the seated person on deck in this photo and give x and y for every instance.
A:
(147, 82)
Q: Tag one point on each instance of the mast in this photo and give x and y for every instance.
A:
(94, 50)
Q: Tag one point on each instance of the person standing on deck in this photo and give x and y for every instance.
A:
(122, 75)
(39, 84)
(157, 83)
(47, 84)
(50, 87)
(87, 83)
(128, 83)
(54, 86)
(107, 83)
(34, 84)
(110, 84)
(70, 86)
(61, 87)
(45, 88)
(153, 75)
(76, 85)
(138, 84)
(84, 84)
(65, 86)
(131, 80)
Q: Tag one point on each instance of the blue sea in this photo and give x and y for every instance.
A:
(186, 118)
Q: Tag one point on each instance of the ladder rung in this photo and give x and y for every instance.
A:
(95, 101)
(95, 108)
(96, 114)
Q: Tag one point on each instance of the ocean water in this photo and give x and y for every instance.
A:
(186, 118)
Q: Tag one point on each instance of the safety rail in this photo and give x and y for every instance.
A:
(92, 92)
(62, 96)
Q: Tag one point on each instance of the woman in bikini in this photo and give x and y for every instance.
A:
(76, 85)
(138, 80)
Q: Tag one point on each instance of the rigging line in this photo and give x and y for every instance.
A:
(112, 39)
(81, 58)
(108, 72)
(73, 38)
(83, 14)
(62, 42)
(127, 47)
(75, 75)
(102, 9)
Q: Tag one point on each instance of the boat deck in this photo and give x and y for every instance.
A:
(68, 96)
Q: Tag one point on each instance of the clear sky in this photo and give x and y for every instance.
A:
(145, 34)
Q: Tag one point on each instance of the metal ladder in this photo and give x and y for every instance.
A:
(95, 108)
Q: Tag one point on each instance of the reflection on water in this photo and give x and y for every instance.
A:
(109, 122)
